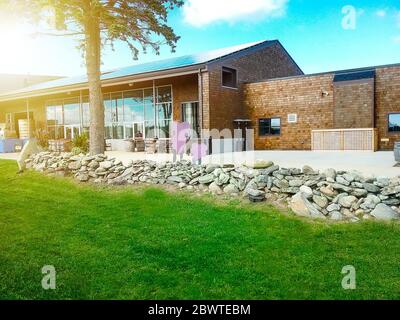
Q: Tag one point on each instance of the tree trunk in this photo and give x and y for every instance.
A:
(93, 58)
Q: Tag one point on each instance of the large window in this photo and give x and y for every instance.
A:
(394, 122)
(229, 77)
(269, 127)
(126, 114)
(55, 119)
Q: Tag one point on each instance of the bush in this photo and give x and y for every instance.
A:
(81, 142)
(76, 151)
(42, 137)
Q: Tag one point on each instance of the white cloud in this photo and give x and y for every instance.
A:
(203, 12)
(381, 13)
(398, 19)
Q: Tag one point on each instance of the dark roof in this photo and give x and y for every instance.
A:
(351, 76)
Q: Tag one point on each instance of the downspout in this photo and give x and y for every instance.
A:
(27, 116)
(200, 79)
(155, 106)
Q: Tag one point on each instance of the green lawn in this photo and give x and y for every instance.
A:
(146, 243)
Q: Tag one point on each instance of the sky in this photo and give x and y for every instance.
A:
(320, 35)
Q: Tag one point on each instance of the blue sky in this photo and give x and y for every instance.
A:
(312, 32)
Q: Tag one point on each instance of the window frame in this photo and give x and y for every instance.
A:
(235, 71)
(270, 126)
(388, 122)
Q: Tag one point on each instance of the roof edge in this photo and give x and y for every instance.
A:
(343, 71)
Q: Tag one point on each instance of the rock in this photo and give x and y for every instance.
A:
(106, 165)
(307, 191)
(83, 177)
(211, 167)
(260, 164)
(382, 182)
(336, 216)
(333, 207)
(330, 173)
(342, 181)
(182, 185)
(322, 202)
(302, 207)
(384, 212)
(347, 201)
(370, 202)
(371, 188)
(296, 183)
(290, 190)
(207, 179)
(75, 165)
(328, 191)
(359, 193)
(174, 180)
(231, 189)
(349, 177)
(255, 193)
(341, 187)
(270, 170)
(281, 184)
(392, 202)
(222, 179)
(308, 170)
(389, 191)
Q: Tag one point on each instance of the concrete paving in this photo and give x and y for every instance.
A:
(9, 156)
(367, 163)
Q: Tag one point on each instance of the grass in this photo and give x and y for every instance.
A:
(147, 243)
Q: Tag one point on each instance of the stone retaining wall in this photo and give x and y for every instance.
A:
(326, 195)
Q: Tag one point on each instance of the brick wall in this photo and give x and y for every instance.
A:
(299, 95)
(224, 105)
(387, 98)
(354, 104)
(347, 105)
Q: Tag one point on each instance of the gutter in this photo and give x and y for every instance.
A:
(104, 83)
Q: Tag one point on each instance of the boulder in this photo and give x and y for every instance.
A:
(322, 202)
(215, 189)
(336, 215)
(371, 188)
(307, 191)
(302, 207)
(348, 201)
(333, 207)
(231, 189)
(260, 164)
(384, 212)
(330, 173)
(207, 179)
(329, 191)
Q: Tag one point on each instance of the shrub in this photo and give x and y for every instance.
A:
(76, 151)
(42, 137)
(81, 142)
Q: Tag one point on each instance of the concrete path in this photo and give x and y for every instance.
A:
(9, 156)
(368, 163)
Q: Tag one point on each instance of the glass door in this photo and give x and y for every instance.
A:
(138, 130)
(190, 114)
(72, 131)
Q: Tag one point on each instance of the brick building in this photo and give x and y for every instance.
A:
(259, 83)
